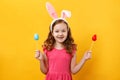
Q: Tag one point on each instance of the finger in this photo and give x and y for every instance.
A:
(37, 54)
(37, 50)
(89, 54)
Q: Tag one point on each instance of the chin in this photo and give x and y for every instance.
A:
(61, 41)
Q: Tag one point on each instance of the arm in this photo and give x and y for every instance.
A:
(43, 61)
(76, 67)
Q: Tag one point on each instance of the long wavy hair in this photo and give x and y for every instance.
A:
(68, 43)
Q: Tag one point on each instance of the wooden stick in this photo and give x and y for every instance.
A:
(91, 45)
(36, 44)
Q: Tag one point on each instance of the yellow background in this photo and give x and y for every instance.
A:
(21, 19)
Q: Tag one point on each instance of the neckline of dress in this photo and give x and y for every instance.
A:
(59, 49)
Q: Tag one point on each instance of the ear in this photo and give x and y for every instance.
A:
(65, 14)
(51, 10)
(52, 34)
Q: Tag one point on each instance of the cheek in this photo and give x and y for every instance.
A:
(66, 34)
(54, 34)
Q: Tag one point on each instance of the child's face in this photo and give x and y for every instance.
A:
(60, 32)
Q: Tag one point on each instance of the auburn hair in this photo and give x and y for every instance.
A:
(68, 43)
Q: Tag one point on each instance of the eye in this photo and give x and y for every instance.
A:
(57, 31)
(63, 30)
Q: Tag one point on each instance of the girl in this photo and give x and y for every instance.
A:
(59, 58)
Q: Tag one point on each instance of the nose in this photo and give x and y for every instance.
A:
(60, 33)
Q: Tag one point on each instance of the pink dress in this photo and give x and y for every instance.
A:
(59, 64)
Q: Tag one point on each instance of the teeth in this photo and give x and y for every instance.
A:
(60, 37)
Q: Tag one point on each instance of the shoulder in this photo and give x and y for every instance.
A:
(74, 46)
(73, 52)
(74, 49)
(46, 51)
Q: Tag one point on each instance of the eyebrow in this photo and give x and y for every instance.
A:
(59, 29)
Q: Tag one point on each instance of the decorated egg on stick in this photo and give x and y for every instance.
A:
(94, 38)
(36, 38)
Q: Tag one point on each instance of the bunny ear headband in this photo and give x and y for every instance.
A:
(53, 14)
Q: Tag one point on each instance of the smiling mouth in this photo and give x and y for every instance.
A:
(60, 37)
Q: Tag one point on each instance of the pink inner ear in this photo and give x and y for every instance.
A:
(63, 15)
(51, 10)
(54, 15)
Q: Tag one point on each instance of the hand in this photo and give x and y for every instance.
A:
(38, 55)
(87, 55)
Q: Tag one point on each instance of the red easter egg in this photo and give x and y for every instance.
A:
(94, 37)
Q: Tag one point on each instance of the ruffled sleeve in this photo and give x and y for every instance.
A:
(74, 52)
(45, 51)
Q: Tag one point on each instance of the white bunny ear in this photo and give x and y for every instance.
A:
(65, 14)
(51, 10)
